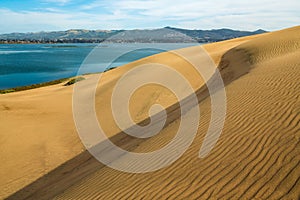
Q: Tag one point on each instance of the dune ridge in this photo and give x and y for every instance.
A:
(261, 154)
(45, 185)
(257, 155)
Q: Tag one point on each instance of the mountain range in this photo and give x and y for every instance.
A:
(161, 35)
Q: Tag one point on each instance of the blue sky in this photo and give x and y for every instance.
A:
(48, 15)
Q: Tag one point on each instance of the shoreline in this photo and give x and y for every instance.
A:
(39, 85)
(75, 52)
(70, 79)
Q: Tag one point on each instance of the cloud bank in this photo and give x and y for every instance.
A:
(129, 14)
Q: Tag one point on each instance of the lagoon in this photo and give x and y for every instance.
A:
(26, 64)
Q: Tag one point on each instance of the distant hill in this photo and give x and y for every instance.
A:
(215, 34)
(162, 35)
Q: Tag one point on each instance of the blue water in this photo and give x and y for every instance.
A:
(26, 64)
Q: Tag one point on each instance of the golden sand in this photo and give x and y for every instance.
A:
(257, 155)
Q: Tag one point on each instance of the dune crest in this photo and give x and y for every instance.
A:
(257, 155)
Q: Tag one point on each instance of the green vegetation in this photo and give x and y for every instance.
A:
(7, 91)
(108, 69)
(29, 87)
(74, 80)
(55, 82)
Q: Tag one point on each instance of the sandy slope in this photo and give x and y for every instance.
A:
(37, 134)
(257, 155)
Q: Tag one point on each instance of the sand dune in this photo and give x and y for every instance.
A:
(256, 157)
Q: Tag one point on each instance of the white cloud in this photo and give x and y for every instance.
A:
(93, 5)
(250, 15)
(28, 21)
(238, 14)
(59, 2)
(244, 15)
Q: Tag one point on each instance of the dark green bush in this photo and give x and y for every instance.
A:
(29, 87)
(74, 80)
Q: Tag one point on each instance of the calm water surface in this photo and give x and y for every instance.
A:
(25, 64)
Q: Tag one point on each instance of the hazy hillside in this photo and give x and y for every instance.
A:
(167, 34)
